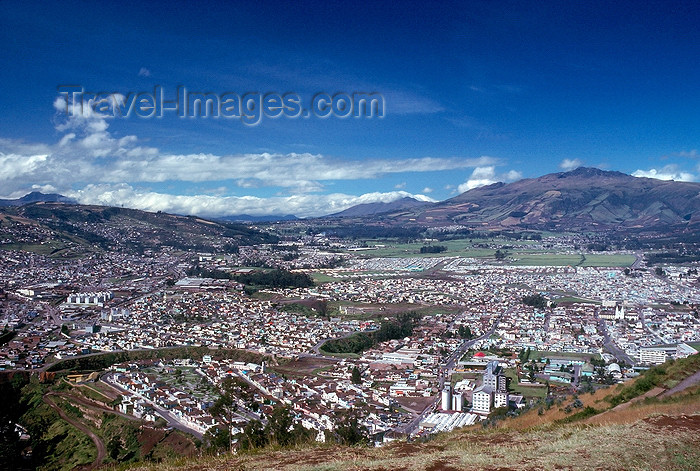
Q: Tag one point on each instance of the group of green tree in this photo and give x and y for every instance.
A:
(400, 327)
(465, 332)
(524, 355)
(282, 429)
(433, 249)
(276, 278)
(535, 300)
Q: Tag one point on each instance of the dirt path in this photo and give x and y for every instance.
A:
(93, 404)
(101, 451)
(688, 382)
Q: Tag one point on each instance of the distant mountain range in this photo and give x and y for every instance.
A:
(585, 199)
(37, 197)
(372, 209)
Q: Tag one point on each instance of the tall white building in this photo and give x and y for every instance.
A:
(446, 398)
(482, 400)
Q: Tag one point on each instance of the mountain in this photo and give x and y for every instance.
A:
(73, 230)
(373, 209)
(37, 197)
(585, 199)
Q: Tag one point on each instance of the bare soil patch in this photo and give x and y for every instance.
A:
(687, 422)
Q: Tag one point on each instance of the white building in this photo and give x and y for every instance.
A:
(482, 400)
(652, 356)
(446, 398)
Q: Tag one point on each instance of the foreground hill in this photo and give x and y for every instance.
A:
(583, 199)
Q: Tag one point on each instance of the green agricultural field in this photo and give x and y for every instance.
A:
(457, 247)
(48, 248)
(323, 278)
(582, 260)
(545, 259)
(537, 354)
(608, 260)
(518, 256)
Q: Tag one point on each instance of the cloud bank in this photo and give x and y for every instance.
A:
(93, 166)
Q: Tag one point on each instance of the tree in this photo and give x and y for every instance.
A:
(465, 332)
(281, 429)
(226, 405)
(356, 377)
(253, 436)
(535, 300)
(348, 431)
(500, 255)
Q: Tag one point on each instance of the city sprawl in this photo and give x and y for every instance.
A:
(482, 333)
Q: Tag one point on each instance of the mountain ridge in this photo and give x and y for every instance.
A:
(373, 209)
(37, 197)
(583, 199)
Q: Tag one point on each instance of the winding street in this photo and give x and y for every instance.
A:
(99, 444)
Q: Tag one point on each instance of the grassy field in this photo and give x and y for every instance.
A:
(582, 260)
(536, 392)
(537, 354)
(322, 278)
(575, 299)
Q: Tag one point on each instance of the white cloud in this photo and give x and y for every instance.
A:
(692, 154)
(669, 172)
(482, 176)
(427, 189)
(513, 175)
(144, 72)
(570, 164)
(87, 152)
(15, 166)
(213, 206)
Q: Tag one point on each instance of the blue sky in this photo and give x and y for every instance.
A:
(474, 92)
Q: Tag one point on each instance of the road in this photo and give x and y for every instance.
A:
(610, 345)
(99, 444)
(638, 260)
(169, 417)
(688, 382)
(445, 369)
